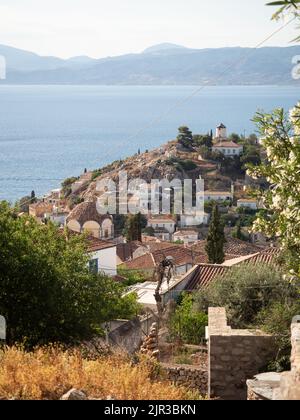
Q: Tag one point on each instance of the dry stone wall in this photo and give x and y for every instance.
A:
(190, 377)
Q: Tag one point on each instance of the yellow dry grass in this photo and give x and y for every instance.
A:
(48, 373)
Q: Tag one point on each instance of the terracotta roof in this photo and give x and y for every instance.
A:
(247, 200)
(227, 193)
(180, 254)
(161, 220)
(268, 256)
(228, 144)
(233, 247)
(87, 211)
(95, 244)
(185, 232)
(145, 262)
(40, 204)
(158, 246)
(205, 274)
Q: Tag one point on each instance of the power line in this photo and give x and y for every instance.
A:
(196, 91)
(182, 101)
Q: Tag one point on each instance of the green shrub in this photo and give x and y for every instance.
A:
(276, 320)
(245, 291)
(188, 323)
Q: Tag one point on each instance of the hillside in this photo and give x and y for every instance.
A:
(165, 64)
(169, 161)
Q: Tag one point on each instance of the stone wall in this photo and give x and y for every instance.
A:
(234, 356)
(275, 386)
(129, 335)
(189, 376)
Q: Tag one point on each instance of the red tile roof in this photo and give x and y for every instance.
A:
(233, 248)
(228, 144)
(93, 244)
(205, 274)
(145, 262)
(179, 253)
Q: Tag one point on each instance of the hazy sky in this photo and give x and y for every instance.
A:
(111, 27)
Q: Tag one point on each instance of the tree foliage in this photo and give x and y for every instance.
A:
(185, 137)
(187, 323)
(281, 140)
(47, 293)
(245, 291)
(203, 140)
(276, 320)
(216, 238)
(132, 276)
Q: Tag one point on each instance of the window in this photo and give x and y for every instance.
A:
(93, 266)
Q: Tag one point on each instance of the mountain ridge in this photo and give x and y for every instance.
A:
(163, 64)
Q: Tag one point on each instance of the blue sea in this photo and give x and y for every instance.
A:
(48, 133)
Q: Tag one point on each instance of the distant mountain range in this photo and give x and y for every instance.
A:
(164, 64)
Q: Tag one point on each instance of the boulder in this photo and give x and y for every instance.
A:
(74, 395)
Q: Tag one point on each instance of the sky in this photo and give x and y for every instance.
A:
(101, 28)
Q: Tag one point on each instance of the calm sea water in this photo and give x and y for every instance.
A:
(48, 133)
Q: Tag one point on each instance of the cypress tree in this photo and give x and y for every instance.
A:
(32, 197)
(239, 233)
(216, 239)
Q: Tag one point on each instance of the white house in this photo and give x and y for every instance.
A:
(186, 236)
(57, 217)
(218, 196)
(228, 148)
(162, 224)
(197, 219)
(169, 291)
(248, 203)
(103, 256)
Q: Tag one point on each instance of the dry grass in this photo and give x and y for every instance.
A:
(48, 373)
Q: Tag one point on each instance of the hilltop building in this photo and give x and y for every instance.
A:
(228, 148)
(224, 145)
